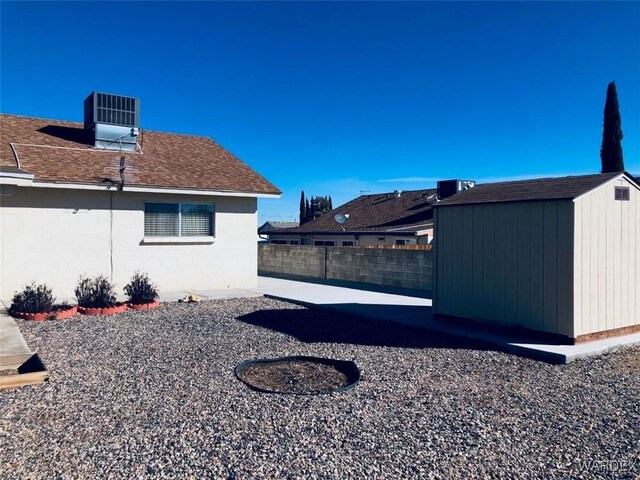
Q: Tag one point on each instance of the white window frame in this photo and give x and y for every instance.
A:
(205, 239)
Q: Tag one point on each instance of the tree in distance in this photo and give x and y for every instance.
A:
(303, 212)
(611, 149)
(312, 209)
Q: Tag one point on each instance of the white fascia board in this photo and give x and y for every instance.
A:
(180, 191)
(200, 192)
(18, 179)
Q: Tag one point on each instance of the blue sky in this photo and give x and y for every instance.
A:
(338, 98)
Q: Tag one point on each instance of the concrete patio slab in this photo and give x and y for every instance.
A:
(418, 312)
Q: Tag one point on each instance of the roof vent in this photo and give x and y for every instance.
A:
(115, 120)
(448, 188)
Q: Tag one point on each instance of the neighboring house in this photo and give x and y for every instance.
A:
(556, 255)
(396, 218)
(108, 198)
(270, 227)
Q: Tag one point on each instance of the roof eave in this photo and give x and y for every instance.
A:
(18, 178)
(162, 190)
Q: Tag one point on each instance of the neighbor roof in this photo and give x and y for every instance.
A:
(62, 152)
(383, 213)
(275, 226)
(534, 189)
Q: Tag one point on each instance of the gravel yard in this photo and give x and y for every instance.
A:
(152, 394)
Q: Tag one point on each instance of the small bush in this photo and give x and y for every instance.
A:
(140, 289)
(33, 299)
(95, 293)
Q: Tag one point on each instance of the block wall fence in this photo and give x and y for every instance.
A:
(385, 267)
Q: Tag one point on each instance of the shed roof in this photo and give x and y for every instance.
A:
(383, 212)
(63, 152)
(527, 190)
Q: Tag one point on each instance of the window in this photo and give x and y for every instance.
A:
(622, 193)
(294, 242)
(324, 243)
(178, 220)
(278, 242)
(405, 241)
(346, 243)
(161, 219)
(196, 220)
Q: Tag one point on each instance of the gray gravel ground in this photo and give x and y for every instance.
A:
(152, 395)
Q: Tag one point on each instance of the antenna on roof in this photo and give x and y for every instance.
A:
(122, 169)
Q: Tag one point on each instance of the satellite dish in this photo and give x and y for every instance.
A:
(341, 219)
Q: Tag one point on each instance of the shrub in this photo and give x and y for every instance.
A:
(140, 289)
(95, 293)
(33, 299)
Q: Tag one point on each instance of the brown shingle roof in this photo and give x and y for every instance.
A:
(58, 151)
(525, 190)
(381, 212)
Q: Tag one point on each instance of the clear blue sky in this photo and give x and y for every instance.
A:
(338, 98)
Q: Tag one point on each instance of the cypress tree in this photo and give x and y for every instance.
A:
(307, 211)
(330, 203)
(301, 216)
(312, 210)
(611, 149)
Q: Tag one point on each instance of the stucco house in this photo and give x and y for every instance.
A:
(394, 218)
(553, 255)
(106, 197)
(271, 226)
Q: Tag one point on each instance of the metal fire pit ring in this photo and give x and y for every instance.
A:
(348, 368)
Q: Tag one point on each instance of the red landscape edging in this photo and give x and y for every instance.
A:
(57, 314)
(144, 306)
(103, 311)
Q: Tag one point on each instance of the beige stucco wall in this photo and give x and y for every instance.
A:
(506, 263)
(56, 235)
(607, 259)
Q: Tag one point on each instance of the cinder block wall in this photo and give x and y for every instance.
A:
(395, 268)
(304, 261)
